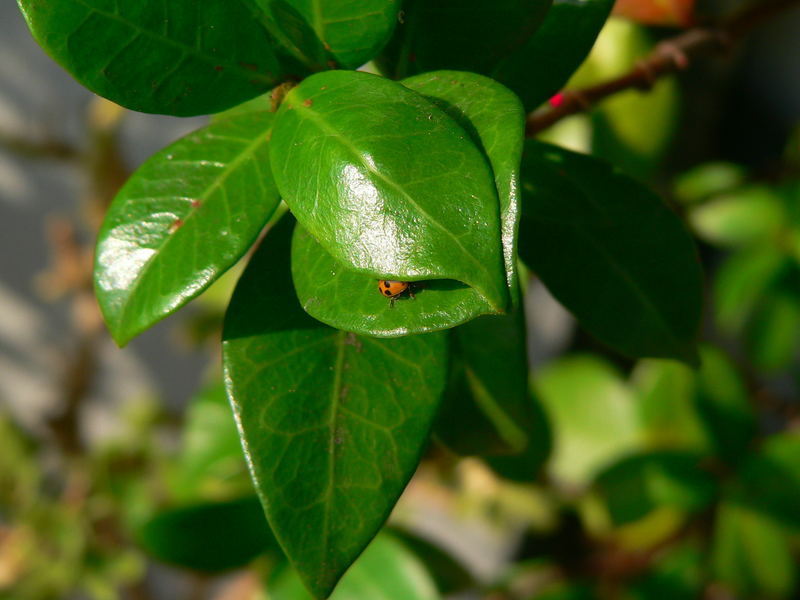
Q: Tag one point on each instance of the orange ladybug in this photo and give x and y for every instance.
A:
(394, 289)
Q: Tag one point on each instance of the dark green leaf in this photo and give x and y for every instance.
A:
(641, 483)
(503, 40)
(769, 481)
(333, 424)
(771, 336)
(677, 574)
(578, 392)
(179, 57)
(186, 216)
(542, 66)
(496, 120)
(743, 281)
(386, 571)
(468, 35)
(751, 556)
(209, 537)
(387, 205)
(611, 252)
(331, 33)
(489, 409)
(722, 403)
(448, 573)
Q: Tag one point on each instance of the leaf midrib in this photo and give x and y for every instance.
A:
(333, 424)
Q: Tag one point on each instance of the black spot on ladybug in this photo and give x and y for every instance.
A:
(386, 284)
(387, 292)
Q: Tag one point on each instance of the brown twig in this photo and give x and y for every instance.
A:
(47, 148)
(669, 56)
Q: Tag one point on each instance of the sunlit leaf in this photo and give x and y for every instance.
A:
(387, 168)
(186, 216)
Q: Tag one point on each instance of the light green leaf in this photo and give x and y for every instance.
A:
(578, 393)
(386, 571)
(739, 218)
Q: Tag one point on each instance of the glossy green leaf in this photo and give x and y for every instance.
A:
(179, 57)
(750, 554)
(332, 33)
(723, 405)
(387, 206)
(211, 459)
(188, 214)
(496, 120)
(349, 300)
(578, 393)
(611, 252)
(386, 571)
(739, 218)
(209, 537)
(641, 483)
(333, 424)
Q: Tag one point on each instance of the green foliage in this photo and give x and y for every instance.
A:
(611, 252)
(178, 59)
(327, 460)
(184, 218)
(655, 458)
(385, 570)
(209, 537)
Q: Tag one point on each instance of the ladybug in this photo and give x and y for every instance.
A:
(394, 289)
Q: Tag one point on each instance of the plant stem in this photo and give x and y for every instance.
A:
(669, 56)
